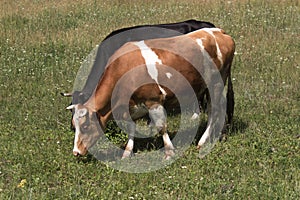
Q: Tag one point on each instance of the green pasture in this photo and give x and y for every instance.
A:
(42, 45)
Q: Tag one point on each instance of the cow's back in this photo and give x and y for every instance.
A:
(115, 40)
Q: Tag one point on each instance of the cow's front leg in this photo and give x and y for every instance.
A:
(129, 146)
(169, 148)
(158, 116)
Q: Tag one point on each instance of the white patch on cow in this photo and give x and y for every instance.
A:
(211, 32)
(130, 144)
(75, 148)
(195, 116)
(151, 59)
(199, 42)
(167, 141)
(219, 54)
(77, 115)
(169, 75)
(158, 116)
(162, 91)
(207, 59)
(128, 148)
(169, 148)
(206, 135)
(211, 29)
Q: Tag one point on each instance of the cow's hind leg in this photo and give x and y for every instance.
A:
(230, 101)
(216, 116)
(158, 116)
(208, 130)
(129, 146)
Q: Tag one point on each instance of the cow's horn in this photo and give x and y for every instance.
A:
(66, 94)
(70, 107)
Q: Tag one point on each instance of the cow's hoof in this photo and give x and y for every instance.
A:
(223, 137)
(169, 154)
(195, 116)
(126, 154)
(167, 157)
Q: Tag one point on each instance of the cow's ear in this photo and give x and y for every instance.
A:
(82, 112)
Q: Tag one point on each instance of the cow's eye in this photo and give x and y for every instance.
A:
(85, 127)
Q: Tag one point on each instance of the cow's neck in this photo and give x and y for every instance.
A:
(100, 101)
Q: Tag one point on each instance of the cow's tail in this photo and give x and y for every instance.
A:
(230, 100)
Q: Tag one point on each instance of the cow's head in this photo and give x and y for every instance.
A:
(77, 98)
(87, 128)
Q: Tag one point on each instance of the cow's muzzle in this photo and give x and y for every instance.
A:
(76, 153)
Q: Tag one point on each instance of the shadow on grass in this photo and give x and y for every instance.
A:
(156, 143)
(238, 126)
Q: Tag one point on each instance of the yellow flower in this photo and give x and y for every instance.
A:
(22, 183)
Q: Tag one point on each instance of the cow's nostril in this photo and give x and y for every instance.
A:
(75, 153)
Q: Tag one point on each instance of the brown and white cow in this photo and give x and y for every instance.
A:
(198, 57)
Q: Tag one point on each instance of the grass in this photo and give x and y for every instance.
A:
(42, 45)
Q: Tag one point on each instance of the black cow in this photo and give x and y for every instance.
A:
(182, 27)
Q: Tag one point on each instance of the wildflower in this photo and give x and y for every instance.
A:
(22, 183)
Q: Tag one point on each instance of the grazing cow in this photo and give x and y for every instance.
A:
(199, 57)
(117, 38)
